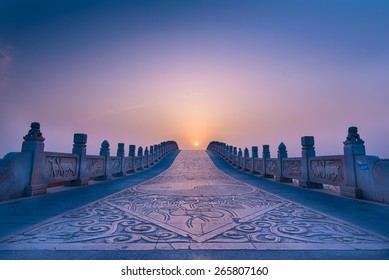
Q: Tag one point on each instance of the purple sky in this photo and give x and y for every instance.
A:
(243, 72)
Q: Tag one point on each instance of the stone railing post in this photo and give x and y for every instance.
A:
(140, 154)
(308, 150)
(146, 157)
(151, 161)
(265, 156)
(131, 154)
(235, 157)
(254, 151)
(33, 144)
(254, 155)
(104, 151)
(120, 153)
(353, 146)
(79, 148)
(246, 153)
(159, 151)
(162, 149)
(230, 154)
(238, 158)
(282, 153)
(155, 154)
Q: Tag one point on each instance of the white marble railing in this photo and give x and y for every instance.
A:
(31, 171)
(357, 175)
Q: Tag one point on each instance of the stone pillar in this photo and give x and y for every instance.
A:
(146, 157)
(230, 154)
(151, 161)
(131, 154)
(246, 153)
(254, 151)
(163, 149)
(120, 153)
(308, 150)
(104, 151)
(159, 151)
(265, 156)
(282, 153)
(238, 158)
(33, 144)
(224, 150)
(254, 155)
(353, 146)
(163, 146)
(235, 157)
(155, 156)
(79, 148)
(140, 155)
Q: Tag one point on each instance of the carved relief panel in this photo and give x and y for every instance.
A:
(128, 164)
(292, 168)
(258, 165)
(95, 166)
(327, 170)
(241, 163)
(59, 168)
(114, 165)
(249, 163)
(272, 166)
(138, 162)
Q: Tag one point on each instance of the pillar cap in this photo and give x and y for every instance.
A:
(281, 146)
(307, 141)
(105, 144)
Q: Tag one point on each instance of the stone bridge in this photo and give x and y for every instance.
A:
(172, 204)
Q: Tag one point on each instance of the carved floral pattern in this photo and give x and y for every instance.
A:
(272, 166)
(95, 166)
(114, 164)
(292, 168)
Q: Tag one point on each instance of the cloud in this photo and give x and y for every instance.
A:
(6, 57)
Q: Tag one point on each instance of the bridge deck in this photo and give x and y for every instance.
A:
(193, 209)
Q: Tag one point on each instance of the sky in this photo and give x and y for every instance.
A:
(242, 72)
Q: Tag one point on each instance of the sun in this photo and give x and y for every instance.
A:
(196, 144)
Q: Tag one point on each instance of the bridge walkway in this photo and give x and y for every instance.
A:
(193, 205)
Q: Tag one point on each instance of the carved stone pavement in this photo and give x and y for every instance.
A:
(194, 205)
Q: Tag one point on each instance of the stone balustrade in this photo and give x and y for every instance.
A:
(356, 174)
(31, 171)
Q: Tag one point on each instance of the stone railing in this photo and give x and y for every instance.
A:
(356, 174)
(31, 171)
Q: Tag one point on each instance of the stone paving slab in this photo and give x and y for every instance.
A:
(193, 205)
